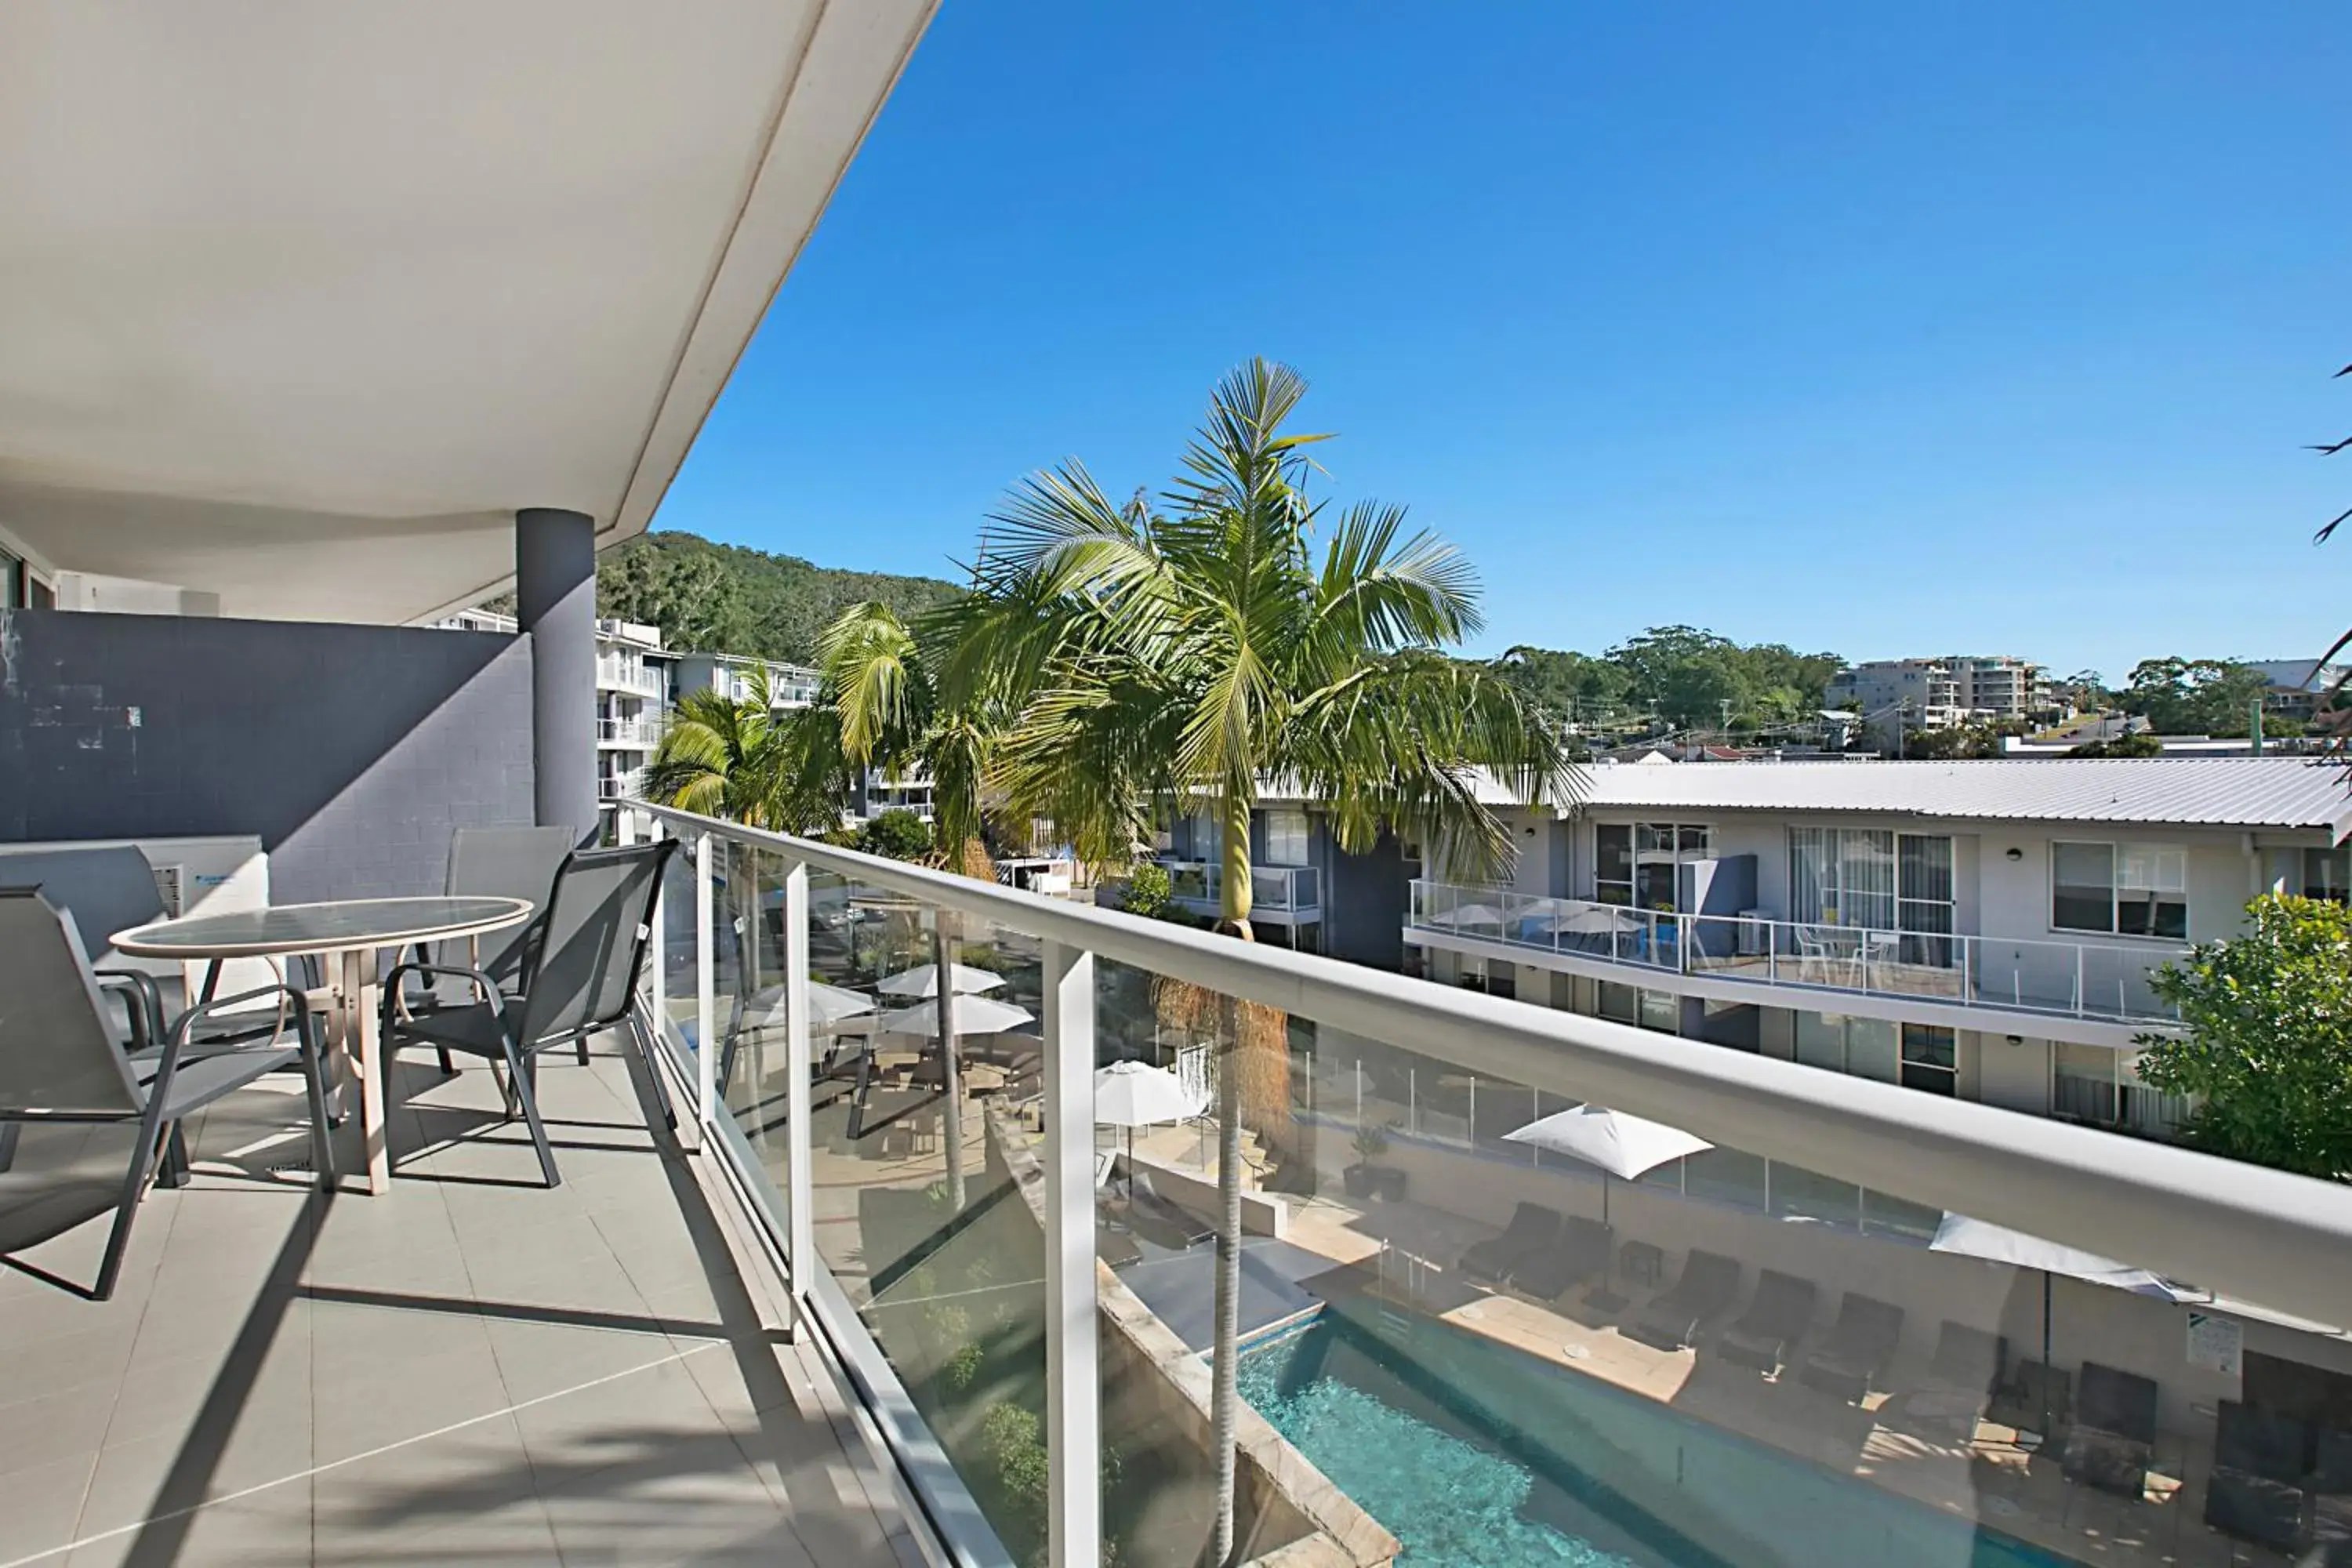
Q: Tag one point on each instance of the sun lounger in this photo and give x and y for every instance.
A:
(2114, 1431)
(1581, 1253)
(1159, 1219)
(1782, 1309)
(1850, 1362)
(1710, 1284)
(1533, 1227)
(2031, 1390)
(1958, 1389)
(2255, 1492)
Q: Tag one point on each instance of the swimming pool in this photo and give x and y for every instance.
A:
(1468, 1452)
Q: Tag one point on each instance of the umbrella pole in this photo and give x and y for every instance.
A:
(1606, 1299)
(2046, 1369)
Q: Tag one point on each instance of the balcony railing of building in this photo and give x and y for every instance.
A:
(2079, 980)
(642, 731)
(1015, 1295)
(620, 786)
(631, 674)
(1293, 890)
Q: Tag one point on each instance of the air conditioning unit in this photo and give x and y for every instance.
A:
(1755, 934)
(170, 883)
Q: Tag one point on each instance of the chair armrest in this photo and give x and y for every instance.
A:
(489, 987)
(142, 1003)
(292, 1005)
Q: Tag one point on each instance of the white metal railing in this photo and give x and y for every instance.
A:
(646, 729)
(2081, 980)
(2281, 1239)
(628, 674)
(1274, 889)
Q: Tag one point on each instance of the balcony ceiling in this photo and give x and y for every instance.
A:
(299, 304)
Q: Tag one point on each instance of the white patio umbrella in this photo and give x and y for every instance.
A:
(1966, 1238)
(1133, 1094)
(827, 1005)
(973, 1016)
(1622, 1145)
(1593, 919)
(923, 979)
(1468, 915)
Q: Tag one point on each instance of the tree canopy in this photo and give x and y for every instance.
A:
(2195, 696)
(1682, 675)
(2269, 1042)
(724, 599)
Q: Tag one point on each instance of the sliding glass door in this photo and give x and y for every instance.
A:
(1876, 879)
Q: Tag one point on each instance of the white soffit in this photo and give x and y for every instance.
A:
(299, 303)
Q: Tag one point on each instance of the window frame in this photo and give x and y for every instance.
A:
(2117, 849)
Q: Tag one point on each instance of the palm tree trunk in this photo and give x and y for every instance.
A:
(1224, 1388)
(951, 1073)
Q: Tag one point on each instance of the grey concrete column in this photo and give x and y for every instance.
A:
(555, 600)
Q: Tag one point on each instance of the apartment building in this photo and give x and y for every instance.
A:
(1984, 930)
(1940, 693)
(632, 697)
(737, 678)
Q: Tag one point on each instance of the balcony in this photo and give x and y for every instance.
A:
(620, 786)
(941, 1252)
(642, 732)
(631, 676)
(1279, 895)
(2083, 981)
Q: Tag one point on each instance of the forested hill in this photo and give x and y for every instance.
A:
(724, 599)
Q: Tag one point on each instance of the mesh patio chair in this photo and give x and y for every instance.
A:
(1533, 1227)
(488, 862)
(63, 1060)
(2260, 1459)
(578, 977)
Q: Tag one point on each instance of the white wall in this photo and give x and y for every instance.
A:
(2013, 1077)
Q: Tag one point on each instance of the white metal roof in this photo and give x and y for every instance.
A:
(302, 302)
(2215, 792)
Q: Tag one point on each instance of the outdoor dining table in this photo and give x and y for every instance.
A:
(352, 930)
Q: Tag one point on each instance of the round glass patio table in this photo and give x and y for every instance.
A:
(357, 930)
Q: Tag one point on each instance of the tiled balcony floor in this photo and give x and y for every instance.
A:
(471, 1369)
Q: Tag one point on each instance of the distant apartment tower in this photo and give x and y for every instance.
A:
(1939, 693)
(633, 685)
(736, 676)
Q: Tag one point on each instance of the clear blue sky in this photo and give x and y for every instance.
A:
(1881, 329)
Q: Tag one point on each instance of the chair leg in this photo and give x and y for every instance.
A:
(449, 1067)
(583, 1045)
(646, 1049)
(175, 1159)
(9, 1132)
(134, 1187)
(520, 1072)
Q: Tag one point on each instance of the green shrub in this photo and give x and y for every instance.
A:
(1148, 891)
(899, 833)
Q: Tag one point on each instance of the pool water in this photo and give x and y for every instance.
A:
(1461, 1488)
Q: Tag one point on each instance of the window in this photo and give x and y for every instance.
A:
(1662, 1011)
(1619, 1003)
(1931, 1058)
(1285, 839)
(2327, 874)
(12, 581)
(1865, 1047)
(1634, 863)
(2123, 889)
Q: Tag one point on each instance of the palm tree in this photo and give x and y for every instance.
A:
(1179, 658)
(735, 758)
(890, 712)
(886, 710)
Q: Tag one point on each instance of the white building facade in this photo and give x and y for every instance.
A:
(1984, 930)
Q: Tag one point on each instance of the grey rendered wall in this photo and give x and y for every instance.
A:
(1364, 899)
(352, 751)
